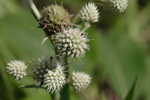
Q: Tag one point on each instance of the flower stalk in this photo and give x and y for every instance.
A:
(65, 92)
(34, 10)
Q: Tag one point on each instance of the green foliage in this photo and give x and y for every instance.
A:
(131, 92)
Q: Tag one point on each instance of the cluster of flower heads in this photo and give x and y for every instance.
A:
(49, 74)
(68, 39)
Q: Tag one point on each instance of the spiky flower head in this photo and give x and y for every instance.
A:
(54, 19)
(42, 66)
(120, 5)
(89, 13)
(80, 80)
(54, 80)
(17, 69)
(71, 42)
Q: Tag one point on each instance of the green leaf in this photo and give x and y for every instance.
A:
(131, 92)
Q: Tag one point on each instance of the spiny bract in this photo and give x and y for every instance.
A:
(72, 42)
(17, 69)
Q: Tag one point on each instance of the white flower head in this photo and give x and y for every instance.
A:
(17, 69)
(54, 80)
(80, 80)
(72, 42)
(89, 13)
(120, 5)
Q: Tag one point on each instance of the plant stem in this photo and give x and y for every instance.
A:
(65, 92)
(54, 96)
(34, 10)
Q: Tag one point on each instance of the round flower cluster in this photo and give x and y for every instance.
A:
(70, 42)
(89, 13)
(17, 69)
(54, 80)
(80, 80)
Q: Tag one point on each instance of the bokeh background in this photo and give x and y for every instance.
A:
(119, 51)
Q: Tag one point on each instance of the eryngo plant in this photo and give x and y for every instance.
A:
(69, 40)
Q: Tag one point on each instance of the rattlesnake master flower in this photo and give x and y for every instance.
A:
(120, 5)
(54, 19)
(17, 69)
(70, 42)
(80, 80)
(89, 13)
(54, 80)
(43, 66)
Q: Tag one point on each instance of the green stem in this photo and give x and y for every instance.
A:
(54, 96)
(65, 92)
(34, 10)
(86, 26)
(76, 18)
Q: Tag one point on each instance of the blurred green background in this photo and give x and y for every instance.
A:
(119, 51)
